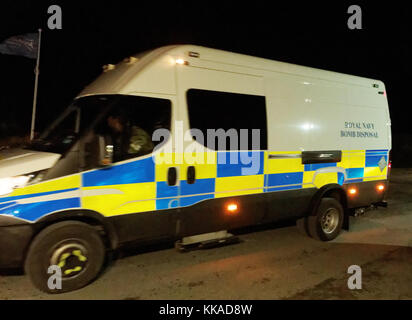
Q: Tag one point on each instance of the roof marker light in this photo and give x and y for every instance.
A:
(181, 61)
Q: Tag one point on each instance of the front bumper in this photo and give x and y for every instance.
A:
(15, 237)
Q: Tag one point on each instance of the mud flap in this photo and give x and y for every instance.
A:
(346, 218)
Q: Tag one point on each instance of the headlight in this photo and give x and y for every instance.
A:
(8, 184)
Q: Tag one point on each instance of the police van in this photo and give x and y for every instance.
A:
(236, 141)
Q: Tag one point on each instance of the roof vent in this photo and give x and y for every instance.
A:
(130, 60)
(194, 54)
(108, 67)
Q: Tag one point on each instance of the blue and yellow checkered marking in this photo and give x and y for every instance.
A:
(20, 204)
(34, 211)
(283, 179)
(374, 156)
(141, 185)
(26, 196)
(234, 164)
(132, 172)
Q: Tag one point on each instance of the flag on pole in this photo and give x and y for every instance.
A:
(23, 45)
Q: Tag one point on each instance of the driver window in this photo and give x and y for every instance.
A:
(128, 126)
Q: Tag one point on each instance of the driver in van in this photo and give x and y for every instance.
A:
(128, 140)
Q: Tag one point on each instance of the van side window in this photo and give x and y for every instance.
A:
(128, 125)
(212, 111)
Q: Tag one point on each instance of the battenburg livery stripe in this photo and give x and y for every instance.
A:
(141, 185)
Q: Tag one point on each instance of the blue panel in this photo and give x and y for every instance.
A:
(354, 173)
(378, 150)
(316, 166)
(341, 178)
(163, 190)
(35, 195)
(372, 161)
(230, 164)
(34, 211)
(281, 179)
(355, 181)
(272, 189)
(132, 172)
(4, 205)
(200, 186)
(166, 203)
(187, 201)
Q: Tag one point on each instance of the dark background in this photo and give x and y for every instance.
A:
(311, 33)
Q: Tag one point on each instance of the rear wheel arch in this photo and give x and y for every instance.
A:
(329, 191)
(334, 191)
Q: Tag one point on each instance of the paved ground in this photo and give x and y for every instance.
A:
(268, 264)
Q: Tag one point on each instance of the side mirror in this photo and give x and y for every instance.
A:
(106, 152)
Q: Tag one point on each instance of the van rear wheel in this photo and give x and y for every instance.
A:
(77, 250)
(326, 224)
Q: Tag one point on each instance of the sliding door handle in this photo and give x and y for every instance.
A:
(172, 176)
(191, 175)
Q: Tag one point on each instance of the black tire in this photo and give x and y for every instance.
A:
(302, 225)
(326, 224)
(68, 236)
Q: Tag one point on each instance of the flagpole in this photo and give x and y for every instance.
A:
(36, 83)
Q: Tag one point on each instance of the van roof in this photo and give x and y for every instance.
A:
(121, 75)
(237, 59)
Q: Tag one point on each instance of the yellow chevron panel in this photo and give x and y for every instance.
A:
(375, 178)
(164, 161)
(308, 179)
(237, 193)
(68, 182)
(137, 206)
(357, 159)
(345, 161)
(204, 162)
(374, 172)
(231, 186)
(283, 165)
(322, 179)
(114, 203)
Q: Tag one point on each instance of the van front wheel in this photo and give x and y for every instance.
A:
(326, 224)
(65, 256)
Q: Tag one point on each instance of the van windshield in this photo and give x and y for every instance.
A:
(62, 133)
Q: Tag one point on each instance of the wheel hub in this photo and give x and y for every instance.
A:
(71, 258)
(330, 220)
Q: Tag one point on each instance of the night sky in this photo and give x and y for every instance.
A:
(94, 33)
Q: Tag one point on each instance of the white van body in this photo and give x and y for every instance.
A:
(328, 135)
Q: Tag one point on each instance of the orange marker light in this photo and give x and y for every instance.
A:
(352, 191)
(181, 61)
(380, 187)
(232, 207)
